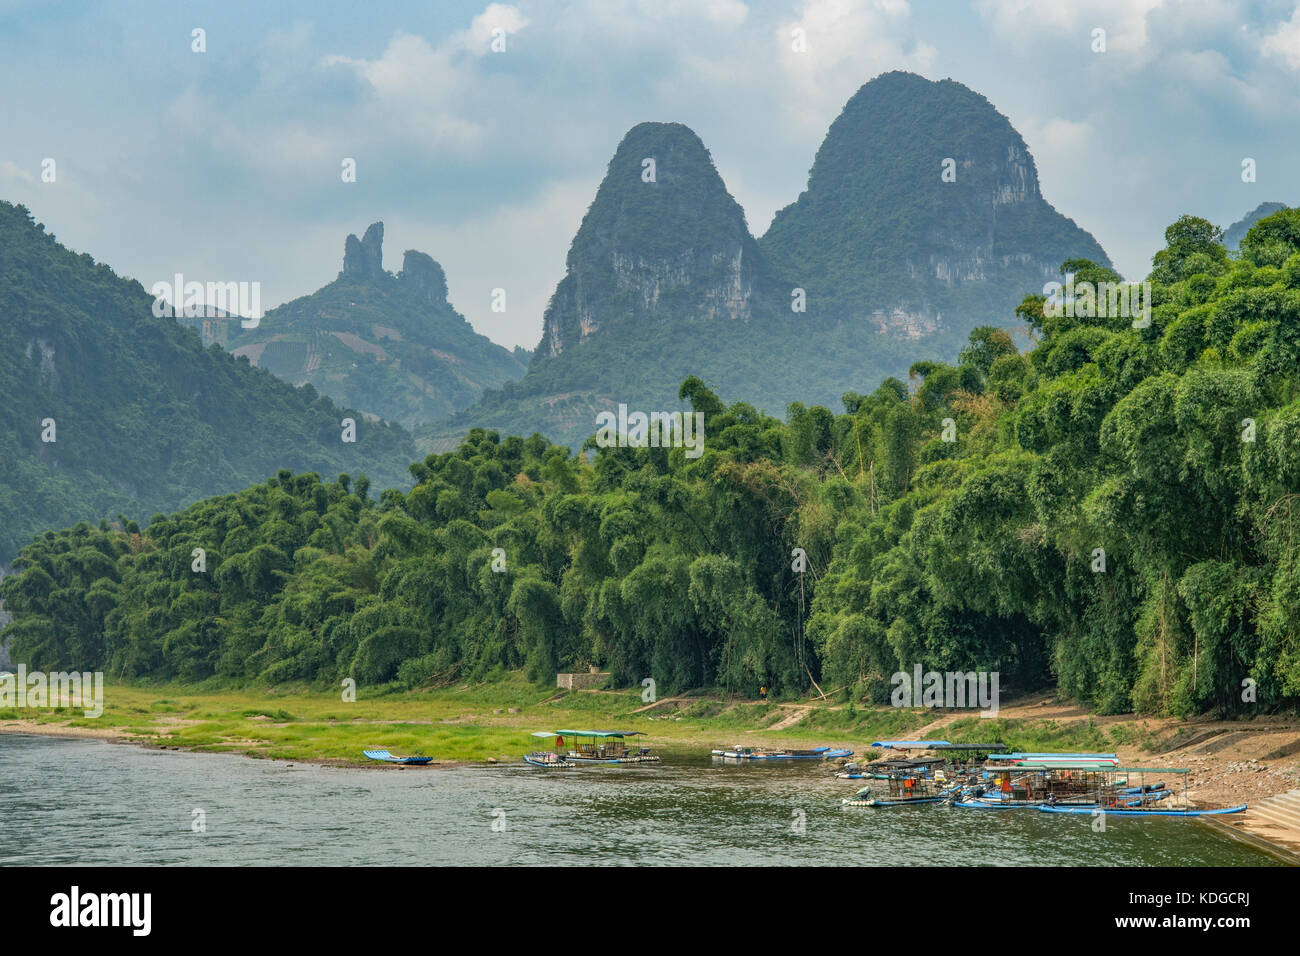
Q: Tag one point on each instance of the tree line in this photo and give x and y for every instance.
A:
(1111, 509)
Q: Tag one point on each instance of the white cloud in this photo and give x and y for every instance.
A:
(420, 89)
(11, 170)
(845, 43)
(498, 16)
(1284, 42)
(1125, 21)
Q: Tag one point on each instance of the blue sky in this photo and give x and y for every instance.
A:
(225, 165)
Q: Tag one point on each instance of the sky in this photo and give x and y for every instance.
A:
(226, 164)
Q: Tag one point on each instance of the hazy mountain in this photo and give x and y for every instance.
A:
(879, 237)
(891, 263)
(1233, 235)
(110, 409)
(391, 345)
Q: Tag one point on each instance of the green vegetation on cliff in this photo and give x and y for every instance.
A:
(1171, 448)
(145, 419)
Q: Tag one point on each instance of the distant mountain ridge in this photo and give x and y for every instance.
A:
(391, 345)
(112, 410)
(882, 236)
(1233, 235)
(877, 263)
(624, 265)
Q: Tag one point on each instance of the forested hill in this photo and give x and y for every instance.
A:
(1115, 512)
(388, 344)
(145, 419)
(1232, 236)
(887, 254)
(923, 213)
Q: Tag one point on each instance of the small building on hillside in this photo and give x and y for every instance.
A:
(593, 678)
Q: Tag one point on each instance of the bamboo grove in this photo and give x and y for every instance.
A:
(1113, 510)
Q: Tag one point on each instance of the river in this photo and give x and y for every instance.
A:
(80, 801)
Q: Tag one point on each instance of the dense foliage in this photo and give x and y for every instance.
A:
(145, 418)
(880, 228)
(664, 279)
(1173, 448)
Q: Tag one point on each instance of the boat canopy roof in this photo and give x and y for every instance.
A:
(1060, 765)
(934, 745)
(1150, 770)
(599, 733)
(909, 744)
(1051, 756)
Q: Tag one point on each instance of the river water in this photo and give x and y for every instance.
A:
(76, 801)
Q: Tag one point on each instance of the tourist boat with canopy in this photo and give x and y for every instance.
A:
(590, 747)
(1081, 785)
(1082, 781)
(956, 760)
(1123, 799)
(905, 789)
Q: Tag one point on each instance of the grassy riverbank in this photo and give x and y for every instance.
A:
(466, 723)
(487, 722)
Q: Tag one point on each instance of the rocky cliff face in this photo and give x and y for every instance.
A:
(389, 345)
(922, 199)
(663, 240)
(425, 276)
(364, 258)
(896, 262)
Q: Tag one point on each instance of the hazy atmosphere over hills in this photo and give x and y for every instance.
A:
(112, 410)
(390, 345)
(922, 220)
(867, 418)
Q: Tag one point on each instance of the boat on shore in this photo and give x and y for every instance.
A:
(383, 756)
(590, 747)
(763, 753)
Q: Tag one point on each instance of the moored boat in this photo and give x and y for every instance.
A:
(905, 789)
(1149, 811)
(590, 747)
(762, 753)
(383, 756)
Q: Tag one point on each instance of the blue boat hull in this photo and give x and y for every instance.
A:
(1125, 812)
(542, 762)
(892, 803)
(818, 753)
(383, 756)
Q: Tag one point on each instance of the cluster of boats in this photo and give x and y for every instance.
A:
(1049, 782)
(980, 776)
